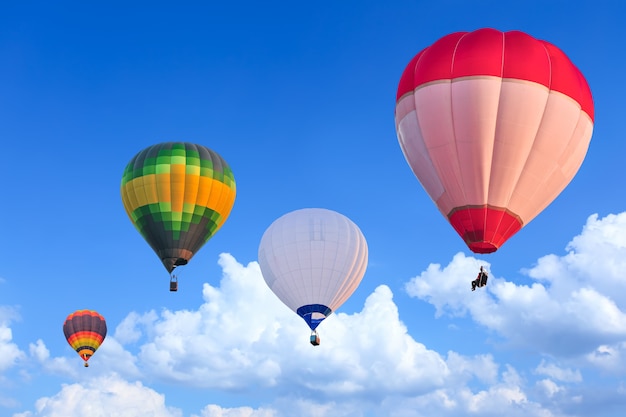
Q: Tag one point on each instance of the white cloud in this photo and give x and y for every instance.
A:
(213, 410)
(229, 342)
(610, 358)
(481, 367)
(103, 397)
(126, 332)
(9, 351)
(110, 395)
(577, 303)
(595, 259)
(242, 338)
(558, 373)
(506, 396)
(59, 366)
(549, 387)
(112, 357)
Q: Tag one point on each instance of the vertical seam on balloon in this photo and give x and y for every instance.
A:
(341, 288)
(356, 265)
(346, 231)
(462, 184)
(523, 221)
(299, 273)
(357, 271)
(184, 242)
(557, 192)
(189, 236)
(458, 161)
(141, 157)
(205, 203)
(221, 196)
(324, 279)
(203, 235)
(326, 270)
(278, 267)
(135, 197)
(269, 258)
(159, 196)
(356, 237)
(168, 235)
(298, 289)
(181, 193)
(491, 239)
(196, 237)
(296, 243)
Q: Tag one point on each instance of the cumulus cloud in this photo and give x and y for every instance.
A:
(576, 304)
(59, 366)
(213, 410)
(10, 353)
(558, 373)
(610, 358)
(594, 259)
(242, 339)
(549, 387)
(103, 397)
(113, 357)
(507, 395)
(243, 336)
(126, 332)
(110, 357)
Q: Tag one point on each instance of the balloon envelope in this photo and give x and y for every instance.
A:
(85, 331)
(313, 259)
(178, 195)
(494, 125)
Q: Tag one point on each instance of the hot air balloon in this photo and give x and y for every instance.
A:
(178, 195)
(85, 331)
(494, 125)
(313, 259)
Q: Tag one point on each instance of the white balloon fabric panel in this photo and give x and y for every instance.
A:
(313, 259)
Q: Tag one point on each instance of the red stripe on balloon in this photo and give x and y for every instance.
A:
(489, 52)
(85, 335)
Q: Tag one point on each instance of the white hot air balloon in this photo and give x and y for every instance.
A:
(313, 259)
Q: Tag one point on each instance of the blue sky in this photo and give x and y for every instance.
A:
(299, 99)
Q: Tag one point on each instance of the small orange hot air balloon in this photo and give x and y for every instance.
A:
(85, 331)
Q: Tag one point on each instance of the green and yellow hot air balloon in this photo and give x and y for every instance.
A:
(178, 195)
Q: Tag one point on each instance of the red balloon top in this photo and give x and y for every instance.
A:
(489, 52)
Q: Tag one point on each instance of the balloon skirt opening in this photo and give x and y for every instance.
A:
(484, 228)
(482, 247)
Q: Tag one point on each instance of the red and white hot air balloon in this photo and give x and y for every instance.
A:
(494, 125)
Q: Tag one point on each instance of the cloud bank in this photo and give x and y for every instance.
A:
(242, 340)
(575, 306)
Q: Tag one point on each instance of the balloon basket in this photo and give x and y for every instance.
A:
(315, 339)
